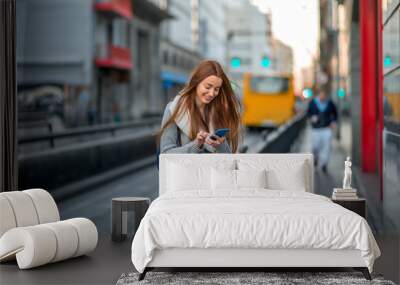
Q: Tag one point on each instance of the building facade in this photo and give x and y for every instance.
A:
(212, 33)
(179, 29)
(249, 42)
(112, 63)
(145, 81)
(196, 32)
(389, 102)
(102, 55)
(178, 53)
(282, 57)
(54, 49)
(177, 63)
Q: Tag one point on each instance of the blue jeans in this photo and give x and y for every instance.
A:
(321, 144)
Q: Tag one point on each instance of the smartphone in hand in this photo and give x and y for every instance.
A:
(219, 133)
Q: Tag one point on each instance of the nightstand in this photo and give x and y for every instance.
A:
(357, 205)
(119, 215)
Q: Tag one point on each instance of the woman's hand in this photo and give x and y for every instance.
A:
(215, 143)
(201, 138)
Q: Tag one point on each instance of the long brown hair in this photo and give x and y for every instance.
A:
(223, 111)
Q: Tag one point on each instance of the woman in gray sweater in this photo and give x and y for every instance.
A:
(206, 104)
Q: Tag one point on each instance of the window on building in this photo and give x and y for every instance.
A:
(174, 59)
(120, 35)
(391, 65)
(391, 107)
(165, 57)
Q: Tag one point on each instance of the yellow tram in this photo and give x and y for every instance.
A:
(268, 100)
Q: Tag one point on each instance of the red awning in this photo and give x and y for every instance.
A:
(118, 58)
(116, 8)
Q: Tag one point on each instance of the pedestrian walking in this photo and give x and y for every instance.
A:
(322, 114)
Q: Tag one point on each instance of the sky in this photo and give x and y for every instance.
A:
(294, 22)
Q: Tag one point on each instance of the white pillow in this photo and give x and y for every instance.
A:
(281, 174)
(223, 179)
(183, 178)
(227, 179)
(184, 175)
(251, 178)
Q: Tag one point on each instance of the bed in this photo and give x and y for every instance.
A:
(246, 211)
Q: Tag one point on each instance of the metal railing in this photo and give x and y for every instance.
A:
(37, 124)
(279, 140)
(76, 132)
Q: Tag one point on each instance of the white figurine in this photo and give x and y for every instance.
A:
(347, 174)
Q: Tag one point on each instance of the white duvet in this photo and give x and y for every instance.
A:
(251, 218)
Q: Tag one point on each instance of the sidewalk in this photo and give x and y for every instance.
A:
(324, 182)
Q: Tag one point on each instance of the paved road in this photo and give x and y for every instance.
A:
(96, 204)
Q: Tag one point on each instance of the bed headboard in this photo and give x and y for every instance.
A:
(267, 158)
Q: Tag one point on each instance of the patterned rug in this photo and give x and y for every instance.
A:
(225, 278)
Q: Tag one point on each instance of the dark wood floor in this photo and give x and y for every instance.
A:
(103, 266)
